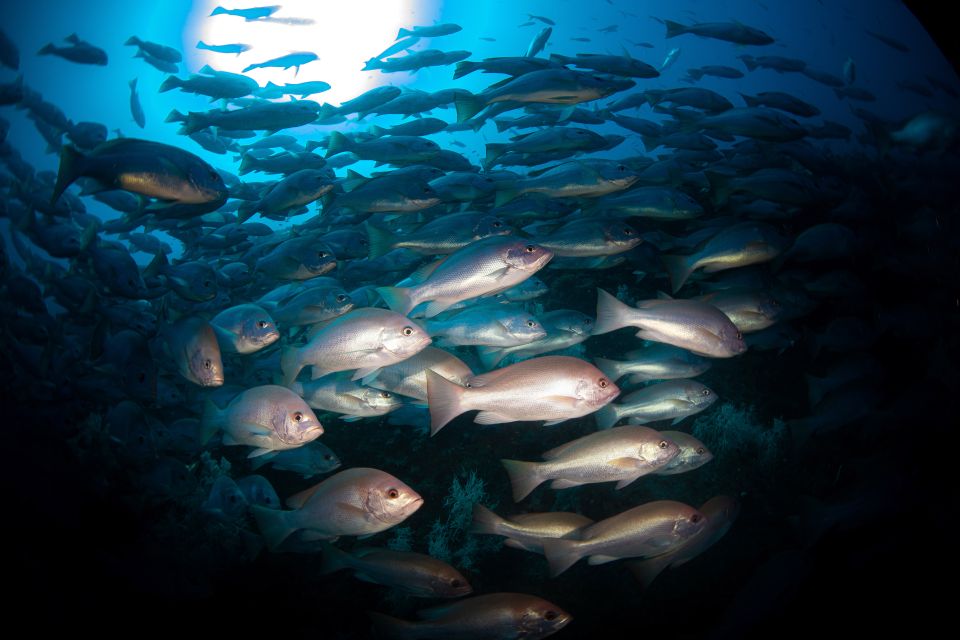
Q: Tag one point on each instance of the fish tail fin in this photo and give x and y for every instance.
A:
(377, 132)
(333, 559)
(133, 41)
(291, 364)
(211, 422)
(274, 525)
(380, 240)
(71, 167)
(674, 29)
(611, 313)
(750, 100)
(468, 105)
(494, 151)
(246, 210)
(607, 416)
(749, 62)
(217, 11)
(491, 356)
(678, 269)
(203, 45)
(404, 33)
(524, 477)
(485, 521)
(397, 298)
(696, 74)
(88, 236)
(445, 400)
(649, 142)
(337, 143)
(613, 369)
(171, 82)
(385, 626)
(327, 110)
(250, 68)
(464, 67)
(47, 50)
(561, 554)
(646, 571)
(133, 84)
(246, 164)
(156, 266)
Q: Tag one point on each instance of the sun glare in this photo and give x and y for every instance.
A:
(343, 33)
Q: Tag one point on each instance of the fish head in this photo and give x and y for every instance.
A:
(618, 174)
(688, 523)
(403, 337)
(338, 301)
(208, 185)
(205, 364)
(523, 326)
(318, 259)
(621, 236)
(389, 499)
(380, 400)
(294, 422)
(596, 390)
(526, 256)
(770, 308)
(656, 449)
(541, 618)
(698, 395)
(491, 226)
(732, 340)
(449, 583)
(258, 329)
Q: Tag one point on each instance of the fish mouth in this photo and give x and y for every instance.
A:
(215, 381)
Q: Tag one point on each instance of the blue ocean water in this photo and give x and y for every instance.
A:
(113, 491)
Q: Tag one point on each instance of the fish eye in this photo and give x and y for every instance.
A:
(298, 417)
(384, 394)
(705, 393)
(529, 248)
(328, 457)
(207, 363)
(603, 383)
(407, 331)
(531, 323)
(739, 335)
(207, 283)
(456, 582)
(321, 254)
(550, 615)
(695, 518)
(700, 451)
(663, 444)
(263, 324)
(341, 298)
(496, 224)
(393, 493)
(233, 499)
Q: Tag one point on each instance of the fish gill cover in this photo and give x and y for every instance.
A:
(477, 320)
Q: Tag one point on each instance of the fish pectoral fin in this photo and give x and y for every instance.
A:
(499, 274)
(351, 511)
(623, 463)
(550, 423)
(256, 453)
(492, 417)
(313, 536)
(251, 429)
(350, 418)
(625, 482)
(565, 484)
(601, 559)
(365, 372)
